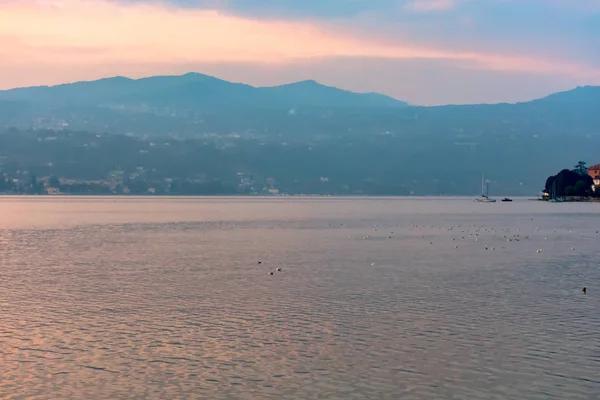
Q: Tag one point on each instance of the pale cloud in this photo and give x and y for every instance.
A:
(588, 6)
(430, 5)
(84, 36)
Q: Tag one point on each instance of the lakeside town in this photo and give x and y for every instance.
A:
(579, 184)
(87, 163)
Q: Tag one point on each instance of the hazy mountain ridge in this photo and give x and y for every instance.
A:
(582, 95)
(195, 91)
(195, 104)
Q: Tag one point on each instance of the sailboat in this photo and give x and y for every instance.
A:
(485, 190)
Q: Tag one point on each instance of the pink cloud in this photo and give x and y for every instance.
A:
(89, 34)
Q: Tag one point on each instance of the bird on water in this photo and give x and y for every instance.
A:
(584, 290)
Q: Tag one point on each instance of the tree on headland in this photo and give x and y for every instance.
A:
(549, 185)
(581, 168)
(569, 183)
(582, 188)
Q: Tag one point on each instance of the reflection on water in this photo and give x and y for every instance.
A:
(165, 299)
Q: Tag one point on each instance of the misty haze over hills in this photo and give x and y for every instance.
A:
(305, 137)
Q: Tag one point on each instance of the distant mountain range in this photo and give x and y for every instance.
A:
(299, 133)
(196, 103)
(195, 91)
(583, 96)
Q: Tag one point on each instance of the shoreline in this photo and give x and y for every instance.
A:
(573, 200)
(250, 196)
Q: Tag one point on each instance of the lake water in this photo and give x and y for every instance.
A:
(124, 298)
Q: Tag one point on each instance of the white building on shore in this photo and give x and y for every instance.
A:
(594, 172)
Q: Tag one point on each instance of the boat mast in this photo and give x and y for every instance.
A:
(482, 186)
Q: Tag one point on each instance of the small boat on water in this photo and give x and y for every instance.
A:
(485, 199)
(506, 200)
(485, 189)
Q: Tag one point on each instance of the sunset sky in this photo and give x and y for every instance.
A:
(421, 51)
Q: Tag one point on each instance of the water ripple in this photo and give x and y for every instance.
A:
(427, 305)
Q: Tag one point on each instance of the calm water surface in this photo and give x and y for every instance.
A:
(377, 298)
